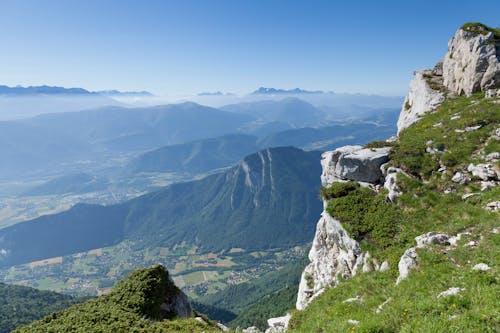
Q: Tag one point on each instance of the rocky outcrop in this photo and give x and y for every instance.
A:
(353, 163)
(421, 98)
(333, 255)
(279, 324)
(390, 183)
(472, 62)
(409, 259)
(178, 304)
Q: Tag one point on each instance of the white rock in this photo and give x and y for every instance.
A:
(459, 131)
(471, 63)
(279, 324)
(353, 163)
(460, 178)
(494, 206)
(222, 327)
(408, 260)
(432, 238)
(353, 322)
(421, 99)
(486, 185)
(454, 239)
(451, 291)
(390, 183)
(482, 171)
(251, 329)
(438, 124)
(472, 244)
(384, 267)
(493, 156)
(472, 128)
(353, 299)
(333, 254)
(468, 195)
(381, 306)
(492, 93)
(456, 117)
(481, 267)
(199, 319)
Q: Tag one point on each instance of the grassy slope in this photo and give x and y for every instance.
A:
(425, 207)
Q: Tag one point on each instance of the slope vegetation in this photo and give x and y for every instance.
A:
(21, 305)
(134, 305)
(461, 132)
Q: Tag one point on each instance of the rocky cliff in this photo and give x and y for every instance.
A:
(334, 254)
(470, 65)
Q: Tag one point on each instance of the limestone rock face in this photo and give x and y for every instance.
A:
(353, 163)
(333, 254)
(421, 98)
(472, 62)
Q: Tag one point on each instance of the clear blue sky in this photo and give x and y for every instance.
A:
(188, 46)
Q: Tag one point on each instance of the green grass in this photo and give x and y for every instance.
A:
(423, 207)
(456, 148)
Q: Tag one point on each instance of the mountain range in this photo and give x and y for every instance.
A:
(271, 195)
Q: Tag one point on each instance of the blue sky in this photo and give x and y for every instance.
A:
(188, 46)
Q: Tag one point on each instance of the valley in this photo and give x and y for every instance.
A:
(199, 274)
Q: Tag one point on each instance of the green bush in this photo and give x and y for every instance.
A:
(338, 189)
(366, 215)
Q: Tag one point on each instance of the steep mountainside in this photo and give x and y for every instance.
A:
(196, 157)
(269, 200)
(209, 154)
(415, 248)
(49, 139)
(21, 305)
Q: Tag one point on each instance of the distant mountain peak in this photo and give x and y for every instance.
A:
(43, 90)
(274, 91)
(142, 93)
(55, 90)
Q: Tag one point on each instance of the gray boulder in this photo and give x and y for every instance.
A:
(353, 163)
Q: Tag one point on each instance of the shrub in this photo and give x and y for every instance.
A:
(338, 189)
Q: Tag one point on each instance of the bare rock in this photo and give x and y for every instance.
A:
(494, 206)
(421, 99)
(384, 267)
(450, 292)
(408, 261)
(353, 163)
(472, 62)
(333, 254)
(481, 267)
(381, 306)
(279, 324)
(353, 299)
(432, 238)
(461, 178)
(483, 171)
